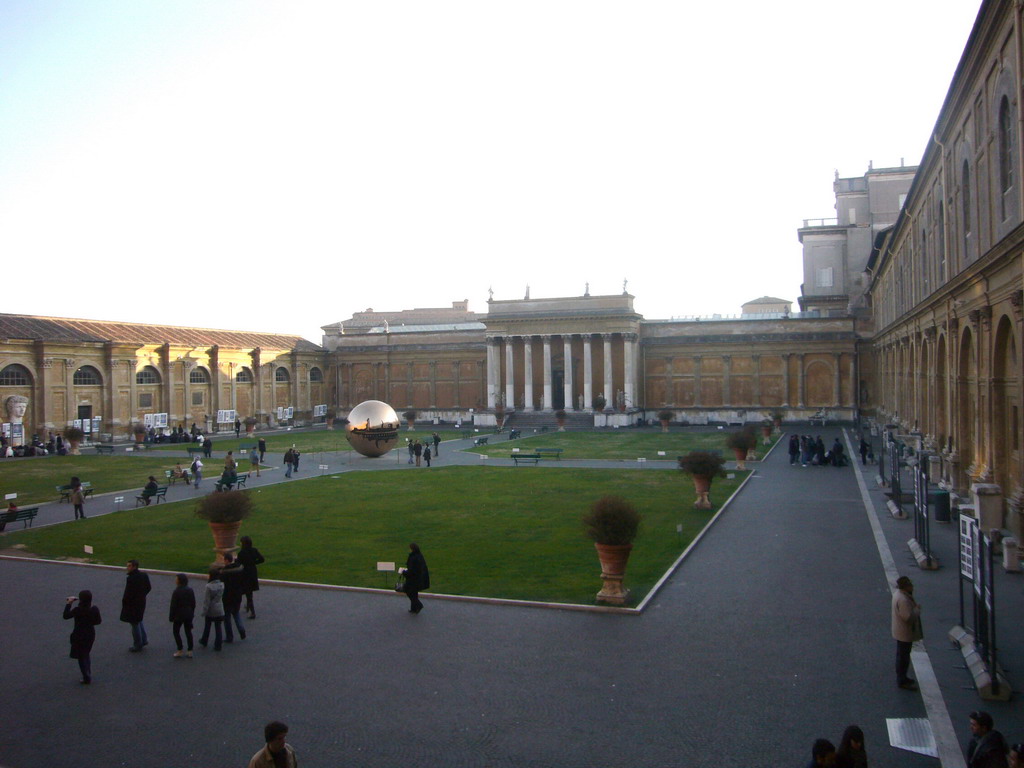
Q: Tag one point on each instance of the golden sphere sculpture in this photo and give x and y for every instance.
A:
(372, 428)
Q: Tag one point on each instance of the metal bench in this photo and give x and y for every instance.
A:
(65, 491)
(173, 478)
(239, 484)
(194, 450)
(160, 494)
(25, 515)
(514, 434)
(525, 458)
(107, 449)
(546, 452)
(482, 440)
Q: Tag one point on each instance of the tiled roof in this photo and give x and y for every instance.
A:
(61, 329)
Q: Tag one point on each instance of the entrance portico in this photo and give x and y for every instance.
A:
(567, 349)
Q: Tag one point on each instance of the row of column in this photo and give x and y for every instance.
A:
(630, 354)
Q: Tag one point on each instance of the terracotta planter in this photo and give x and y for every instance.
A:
(702, 485)
(330, 422)
(561, 425)
(225, 535)
(73, 450)
(741, 457)
(411, 423)
(664, 425)
(767, 432)
(613, 559)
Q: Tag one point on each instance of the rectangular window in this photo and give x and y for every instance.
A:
(853, 215)
(197, 398)
(145, 400)
(825, 277)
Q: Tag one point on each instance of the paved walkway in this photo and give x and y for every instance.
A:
(773, 632)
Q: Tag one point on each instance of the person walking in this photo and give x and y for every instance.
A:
(254, 461)
(412, 450)
(417, 450)
(288, 463)
(906, 628)
(233, 575)
(295, 458)
(208, 448)
(864, 448)
(213, 610)
(277, 753)
(238, 428)
(417, 577)
(77, 497)
(230, 463)
(183, 611)
(437, 444)
(197, 471)
(87, 618)
(263, 448)
(794, 449)
(426, 454)
(133, 604)
(987, 748)
(250, 557)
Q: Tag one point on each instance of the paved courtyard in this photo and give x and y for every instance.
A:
(774, 631)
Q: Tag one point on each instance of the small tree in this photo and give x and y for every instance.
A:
(612, 520)
(226, 507)
(599, 403)
(744, 440)
(410, 419)
(702, 464)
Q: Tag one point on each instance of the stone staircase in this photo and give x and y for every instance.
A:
(538, 420)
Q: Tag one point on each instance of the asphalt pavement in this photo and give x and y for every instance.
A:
(772, 632)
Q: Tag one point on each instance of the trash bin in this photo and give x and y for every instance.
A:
(1011, 555)
(940, 505)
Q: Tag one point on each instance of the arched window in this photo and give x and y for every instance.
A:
(965, 203)
(281, 375)
(315, 375)
(1005, 152)
(198, 376)
(244, 376)
(87, 376)
(147, 375)
(15, 376)
(940, 230)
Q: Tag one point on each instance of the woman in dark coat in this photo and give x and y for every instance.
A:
(417, 577)
(249, 557)
(183, 611)
(86, 616)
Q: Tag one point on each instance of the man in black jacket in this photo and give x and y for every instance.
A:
(233, 576)
(133, 604)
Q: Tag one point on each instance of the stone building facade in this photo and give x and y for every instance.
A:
(119, 372)
(946, 279)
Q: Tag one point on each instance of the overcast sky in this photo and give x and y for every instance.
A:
(278, 166)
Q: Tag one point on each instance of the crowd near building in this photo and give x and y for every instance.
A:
(910, 314)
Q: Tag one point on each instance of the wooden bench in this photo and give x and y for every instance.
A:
(25, 515)
(546, 452)
(107, 449)
(240, 481)
(160, 494)
(531, 458)
(194, 449)
(514, 434)
(482, 440)
(65, 491)
(173, 478)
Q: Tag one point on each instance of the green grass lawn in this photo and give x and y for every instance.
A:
(626, 445)
(34, 479)
(488, 531)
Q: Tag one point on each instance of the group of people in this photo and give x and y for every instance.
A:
(54, 445)
(291, 461)
(851, 752)
(810, 451)
(425, 451)
(223, 595)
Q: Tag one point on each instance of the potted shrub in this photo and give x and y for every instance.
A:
(225, 512)
(74, 436)
(612, 523)
(599, 403)
(138, 430)
(703, 467)
(410, 419)
(560, 418)
(665, 417)
(741, 443)
(250, 424)
(499, 416)
(777, 418)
